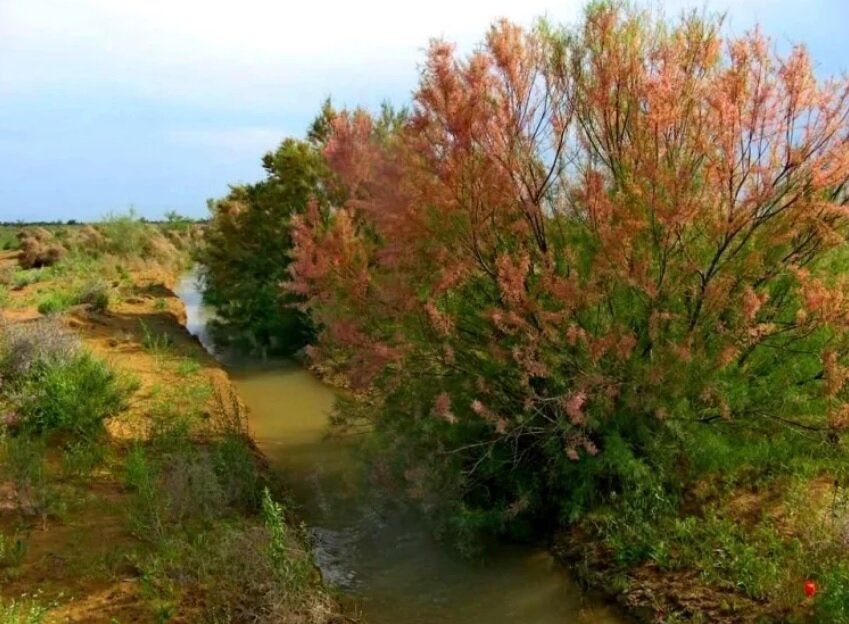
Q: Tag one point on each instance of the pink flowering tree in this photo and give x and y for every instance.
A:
(581, 250)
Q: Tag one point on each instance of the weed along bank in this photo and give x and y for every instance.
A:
(130, 490)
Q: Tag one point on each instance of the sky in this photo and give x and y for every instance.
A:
(158, 105)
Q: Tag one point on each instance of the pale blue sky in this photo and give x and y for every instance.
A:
(159, 104)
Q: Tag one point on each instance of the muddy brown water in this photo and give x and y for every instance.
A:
(383, 556)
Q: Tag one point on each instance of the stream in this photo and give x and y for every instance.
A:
(386, 558)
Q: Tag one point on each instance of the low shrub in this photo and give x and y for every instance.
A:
(178, 484)
(156, 343)
(95, 294)
(28, 346)
(54, 384)
(188, 367)
(146, 514)
(23, 464)
(82, 457)
(22, 278)
(55, 302)
(77, 396)
(125, 234)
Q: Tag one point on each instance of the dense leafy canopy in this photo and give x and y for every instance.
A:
(582, 250)
(246, 250)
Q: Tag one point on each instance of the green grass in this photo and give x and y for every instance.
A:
(156, 343)
(188, 367)
(8, 238)
(55, 302)
(82, 457)
(12, 551)
(95, 294)
(23, 611)
(22, 278)
(77, 395)
(753, 517)
(215, 530)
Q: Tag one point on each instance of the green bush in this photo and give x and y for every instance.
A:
(55, 302)
(148, 507)
(126, 234)
(95, 294)
(24, 277)
(82, 457)
(246, 248)
(76, 395)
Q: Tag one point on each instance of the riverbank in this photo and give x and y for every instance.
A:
(158, 517)
(167, 513)
(364, 539)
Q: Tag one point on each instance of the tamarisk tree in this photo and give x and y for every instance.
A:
(583, 246)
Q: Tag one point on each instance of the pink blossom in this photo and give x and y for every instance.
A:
(575, 407)
(442, 408)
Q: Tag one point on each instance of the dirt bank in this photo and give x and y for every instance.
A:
(83, 559)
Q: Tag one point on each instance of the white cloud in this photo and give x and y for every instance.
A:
(161, 103)
(193, 49)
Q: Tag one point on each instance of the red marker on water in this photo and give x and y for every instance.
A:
(810, 588)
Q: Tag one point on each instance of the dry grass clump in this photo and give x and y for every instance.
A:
(87, 238)
(27, 345)
(39, 248)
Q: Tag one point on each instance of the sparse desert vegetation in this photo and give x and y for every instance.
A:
(148, 492)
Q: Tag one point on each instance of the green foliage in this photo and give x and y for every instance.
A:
(23, 611)
(24, 465)
(246, 247)
(8, 238)
(24, 277)
(832, 605)
(55, 302)
(214, 529)
(12, 551)
(94, 293)
(176, 221)
(188, 367)
(141, 476)
(82, 457)
(156, 343)
(126, 234)
(76, 396)
(272, 512)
